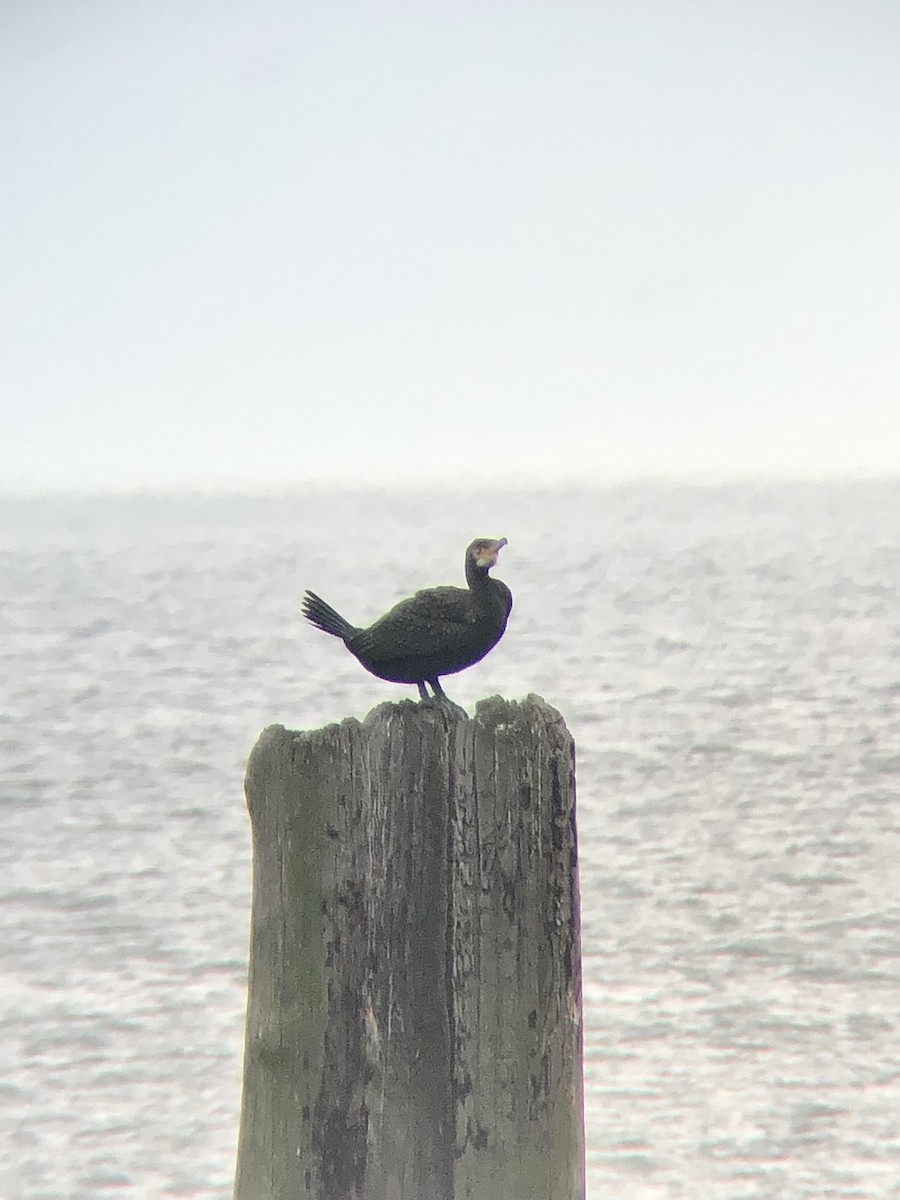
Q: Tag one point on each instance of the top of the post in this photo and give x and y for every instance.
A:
(492, 711)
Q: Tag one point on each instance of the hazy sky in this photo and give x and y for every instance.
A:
(254, 244)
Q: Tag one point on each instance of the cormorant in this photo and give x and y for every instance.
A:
(438, 631)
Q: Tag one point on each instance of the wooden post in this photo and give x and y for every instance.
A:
(414, 1015)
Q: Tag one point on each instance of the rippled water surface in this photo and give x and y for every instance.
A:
(727, 659)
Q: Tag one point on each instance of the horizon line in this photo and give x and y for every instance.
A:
(257, 489)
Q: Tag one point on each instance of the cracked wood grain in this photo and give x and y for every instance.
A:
(414, 1012)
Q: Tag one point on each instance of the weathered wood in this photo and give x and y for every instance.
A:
(414, 1015)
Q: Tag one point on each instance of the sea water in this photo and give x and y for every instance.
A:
(728, 661)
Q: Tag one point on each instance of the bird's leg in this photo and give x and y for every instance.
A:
(423, 691)
(439, 693)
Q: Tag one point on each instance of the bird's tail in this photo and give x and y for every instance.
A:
(324, 617)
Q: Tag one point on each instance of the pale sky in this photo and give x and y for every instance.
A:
(257, 244)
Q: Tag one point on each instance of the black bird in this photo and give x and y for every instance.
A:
(438, 631)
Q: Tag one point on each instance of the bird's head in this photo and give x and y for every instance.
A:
(483, 552)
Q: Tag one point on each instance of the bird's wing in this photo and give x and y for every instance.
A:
(424, 624)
